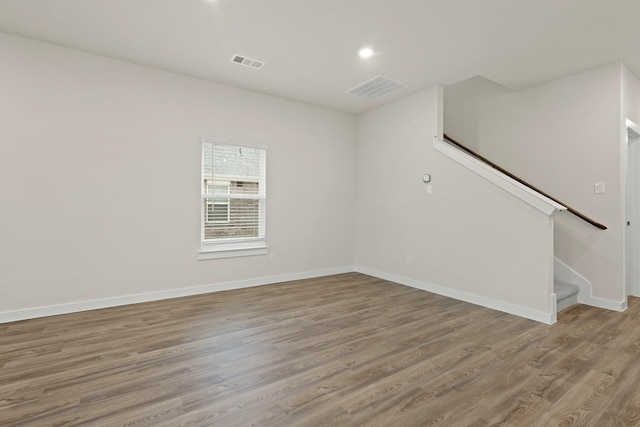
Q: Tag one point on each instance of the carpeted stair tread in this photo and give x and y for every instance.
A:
(566, 294)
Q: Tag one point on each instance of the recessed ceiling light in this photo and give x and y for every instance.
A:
(365, 52)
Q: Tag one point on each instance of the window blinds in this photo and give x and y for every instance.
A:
(233, 193)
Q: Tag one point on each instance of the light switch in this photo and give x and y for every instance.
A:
(599, 187)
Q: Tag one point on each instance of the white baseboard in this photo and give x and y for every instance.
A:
(563, 273)
(74, 307)
(553, 303)
(548, 318)
(603, 303)
(539, 316)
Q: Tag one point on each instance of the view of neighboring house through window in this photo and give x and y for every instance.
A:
(217, 208)
(233, 196)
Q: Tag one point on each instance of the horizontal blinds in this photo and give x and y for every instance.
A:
(234, 196)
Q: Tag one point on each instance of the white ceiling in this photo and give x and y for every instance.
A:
(310, 46)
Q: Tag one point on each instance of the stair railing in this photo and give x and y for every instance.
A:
(521, 181)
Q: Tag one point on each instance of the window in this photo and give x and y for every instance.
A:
(217, 208)
(233, 199)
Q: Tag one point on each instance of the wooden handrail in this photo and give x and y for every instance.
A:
(523, 182)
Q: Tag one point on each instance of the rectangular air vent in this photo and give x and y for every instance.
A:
(248, 62)
(376, 87)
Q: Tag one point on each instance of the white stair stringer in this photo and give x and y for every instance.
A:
(562, 273)
(565, 274)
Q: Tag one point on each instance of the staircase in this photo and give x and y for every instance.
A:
(566, 294)
(565, 286)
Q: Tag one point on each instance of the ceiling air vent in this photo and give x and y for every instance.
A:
(376, 87)
(246, 61)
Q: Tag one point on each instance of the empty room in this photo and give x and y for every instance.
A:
(319, 213)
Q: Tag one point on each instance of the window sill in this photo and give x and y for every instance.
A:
(217, 253)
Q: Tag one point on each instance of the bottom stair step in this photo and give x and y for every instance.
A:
(566, 294)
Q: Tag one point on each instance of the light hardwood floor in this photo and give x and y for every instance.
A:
(345, 350)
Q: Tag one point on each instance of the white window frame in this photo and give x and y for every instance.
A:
(238, 246)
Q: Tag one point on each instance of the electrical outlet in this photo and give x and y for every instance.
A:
(272, 256)
(408, 259)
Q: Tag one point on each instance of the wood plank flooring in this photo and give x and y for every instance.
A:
(344, 350)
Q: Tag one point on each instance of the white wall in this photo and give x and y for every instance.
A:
(630, 96)
(562, 137)
(465, 239)
(99, 187)
(99, 178)
(463, 104)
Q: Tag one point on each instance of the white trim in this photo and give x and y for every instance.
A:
(231, 253)
(565, 274)
(232, 246)
(630, 236)
(228, 141)
(548, 318)
(517, 310)
(606, 304)
(634, 127)
(74, 307)
(510, 185)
